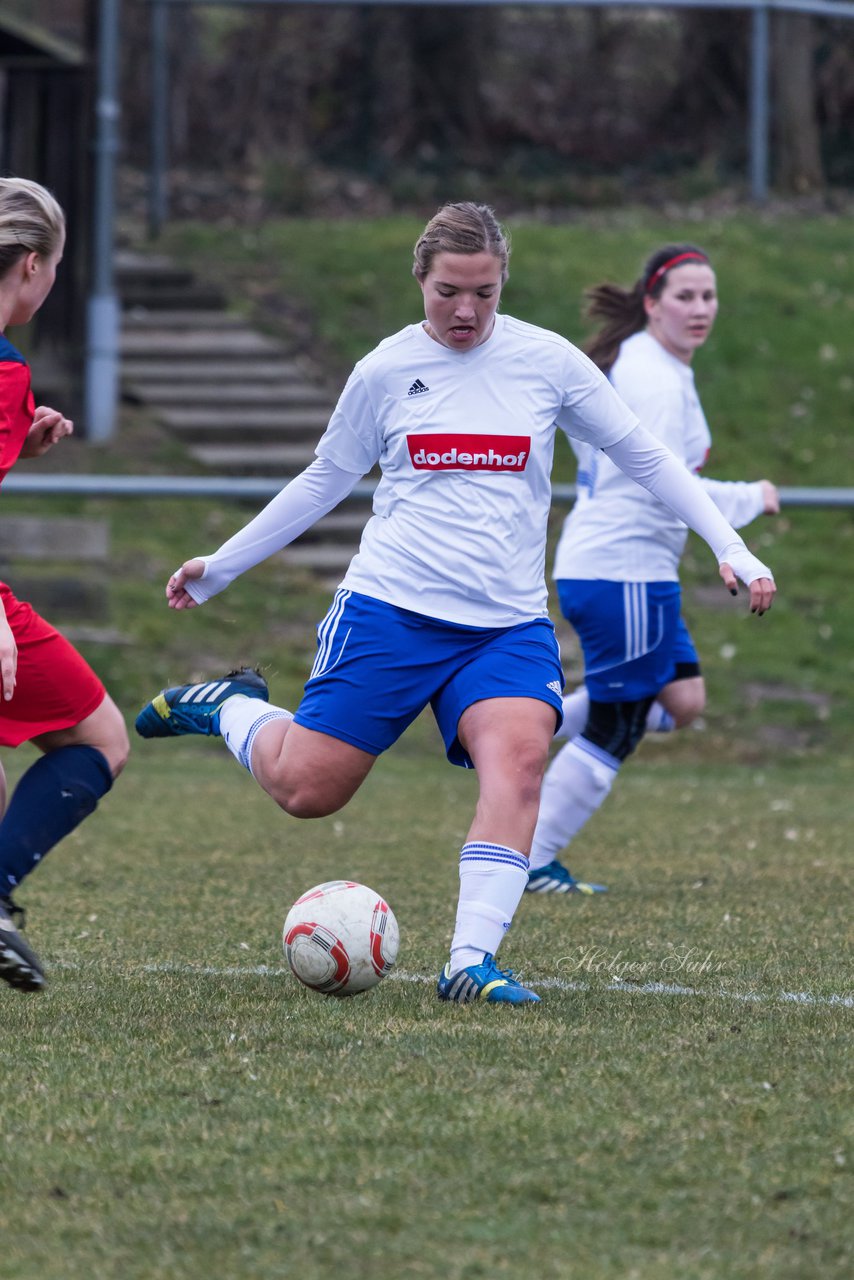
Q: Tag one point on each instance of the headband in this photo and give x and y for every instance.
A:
(692, 255)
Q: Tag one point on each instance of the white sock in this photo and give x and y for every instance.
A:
(576, 783)
(492, 881)
(658, 720)
(239, 721)
(576, 706)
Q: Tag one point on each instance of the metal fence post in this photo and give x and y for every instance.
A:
(101, 390)
(759, 105)
(158, 193)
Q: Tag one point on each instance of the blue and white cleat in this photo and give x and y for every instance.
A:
(195, 708)
(484, 981)
(554, 877)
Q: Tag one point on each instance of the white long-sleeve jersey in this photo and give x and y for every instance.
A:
(617, 530)
(465, 441)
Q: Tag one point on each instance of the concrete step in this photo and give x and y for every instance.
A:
(142, 319)
(56, 562)
(165, 345)
(247, 369)
(343, 525)
(64, 538)
(66, 595)
(320, 557)
(239, 400)
(132, 266)
(246, 424)
(165, 299)
(155, 281)
(249, 395)
(255, 459)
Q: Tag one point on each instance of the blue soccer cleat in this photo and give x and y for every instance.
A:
(484, 981)
(195, 708)
(554, 877)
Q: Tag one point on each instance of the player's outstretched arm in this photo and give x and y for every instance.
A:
(652, 465)
(742, 501)
(310, 495)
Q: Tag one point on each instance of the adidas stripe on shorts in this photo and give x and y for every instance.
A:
(378, 666)
(632, 635)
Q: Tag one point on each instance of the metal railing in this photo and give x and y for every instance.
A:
(259, 487)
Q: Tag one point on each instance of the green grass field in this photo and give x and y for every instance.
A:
(678, 1107)
(176, 1105)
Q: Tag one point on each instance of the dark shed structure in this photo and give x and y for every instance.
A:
(44, 126)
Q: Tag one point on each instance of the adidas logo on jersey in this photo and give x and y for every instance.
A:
(418, 388)
(554, 685)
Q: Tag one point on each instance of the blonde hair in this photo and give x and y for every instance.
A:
(31, 221)
(461, 228)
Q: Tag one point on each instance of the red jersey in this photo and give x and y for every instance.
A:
(56, 688)
(17, 405)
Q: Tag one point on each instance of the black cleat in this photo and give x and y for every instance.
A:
(19, 966)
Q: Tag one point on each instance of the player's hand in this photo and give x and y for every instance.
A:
(49, 427)
(771, 498)
(762, 585)
(177, 595)
(8, 658)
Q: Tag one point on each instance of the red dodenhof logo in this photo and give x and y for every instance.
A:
(457, 451)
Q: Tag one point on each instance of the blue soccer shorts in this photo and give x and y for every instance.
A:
(631, 633)
(377, 667)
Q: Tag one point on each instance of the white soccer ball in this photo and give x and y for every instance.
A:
(340, 938)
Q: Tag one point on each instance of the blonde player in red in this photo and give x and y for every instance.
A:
(50, 695)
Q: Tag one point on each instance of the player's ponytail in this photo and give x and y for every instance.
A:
(622, 311)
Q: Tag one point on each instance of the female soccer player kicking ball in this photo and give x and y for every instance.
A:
(445, 602)
(51, 696)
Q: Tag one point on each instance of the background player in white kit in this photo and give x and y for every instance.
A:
(445, 602)
(617, 560)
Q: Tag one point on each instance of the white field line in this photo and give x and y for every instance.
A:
(553, 984)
